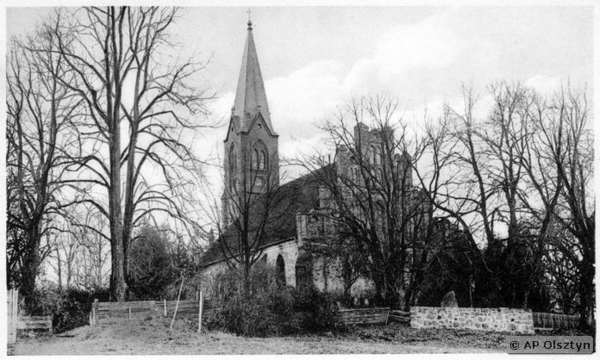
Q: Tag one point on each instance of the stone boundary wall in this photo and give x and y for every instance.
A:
(487, 319)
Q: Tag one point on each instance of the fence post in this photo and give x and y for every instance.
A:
(129, 308)
(165, 306)
(15, 312)
(177, 304)
(95, 312)
(13, 300)
(200, 312)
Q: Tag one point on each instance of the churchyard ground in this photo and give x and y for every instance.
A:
(145, 335)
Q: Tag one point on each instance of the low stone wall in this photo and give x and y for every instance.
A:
(499, 319)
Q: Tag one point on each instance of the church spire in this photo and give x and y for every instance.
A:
(250, 96)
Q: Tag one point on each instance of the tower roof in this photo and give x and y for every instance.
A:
(250, 96)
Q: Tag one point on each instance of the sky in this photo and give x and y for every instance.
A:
(314, 59)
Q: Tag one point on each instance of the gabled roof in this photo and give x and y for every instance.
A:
(250, 96)
(298, 196)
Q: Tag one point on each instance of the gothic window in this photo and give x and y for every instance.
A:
(380, 219)
(232, 167)
(255, 159)
(280, 271)
(263, 160)
(259, 157)
(373, 155)
(355, 176)
(232, 159)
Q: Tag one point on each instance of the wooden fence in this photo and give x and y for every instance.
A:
(398, 316)
(102, 310)
(35, 323)
(363, 316)
(549, 321)
(16, 322)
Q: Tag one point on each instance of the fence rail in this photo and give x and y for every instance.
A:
(554, 321)
(398, 316)
(103, 310)
(16, 322)
(35, 323)
(363, 316)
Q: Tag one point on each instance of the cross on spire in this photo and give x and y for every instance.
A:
(249, 19)
(250, 95)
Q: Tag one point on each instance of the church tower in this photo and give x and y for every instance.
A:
(251, 156)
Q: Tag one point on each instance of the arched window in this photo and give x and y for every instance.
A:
(232, 167)
(355, 176)
(280, 271)
(380, 220)
(232, 159)
(263, 160)
(255, 159)
(373, 155)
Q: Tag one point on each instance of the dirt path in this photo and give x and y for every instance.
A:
(151, 336)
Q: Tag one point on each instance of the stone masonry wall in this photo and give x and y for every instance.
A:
(499, 319)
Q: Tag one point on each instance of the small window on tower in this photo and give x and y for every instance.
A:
(259, 125)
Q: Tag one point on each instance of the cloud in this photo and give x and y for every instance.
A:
(428, 44)
(306, 96)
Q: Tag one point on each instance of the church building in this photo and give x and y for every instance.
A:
(284, 224)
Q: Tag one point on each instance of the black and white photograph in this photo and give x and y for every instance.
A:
(298, 178)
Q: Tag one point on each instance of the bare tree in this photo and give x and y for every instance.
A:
(560, 169)
(490, 188)
(139, 109)
(373, 199)
(79, 254)
(40, 136)
(64, 253)
(95, 253)
(530, 169)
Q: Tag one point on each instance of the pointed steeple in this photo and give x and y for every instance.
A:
(250, 96)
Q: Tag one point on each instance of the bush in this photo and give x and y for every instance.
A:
(314, 309)
(259, 307)
(69, 308)
(156, 265)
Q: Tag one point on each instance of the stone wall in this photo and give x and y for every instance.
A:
(486, 319)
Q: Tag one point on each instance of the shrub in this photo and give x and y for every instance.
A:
(156, 265)
(314, 309)
(259, 307)
(69, 308)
